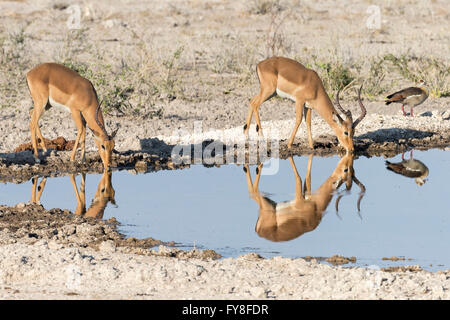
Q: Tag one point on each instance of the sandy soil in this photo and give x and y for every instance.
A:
(58, 255)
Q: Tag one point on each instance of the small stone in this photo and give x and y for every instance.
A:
(107, 246)
(141, 166)
(258, 292)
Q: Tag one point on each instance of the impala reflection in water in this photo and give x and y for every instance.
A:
(105, 194)
(392, 223)
(288, 220)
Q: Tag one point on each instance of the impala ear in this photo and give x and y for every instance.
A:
(338, 117)
(115, 131)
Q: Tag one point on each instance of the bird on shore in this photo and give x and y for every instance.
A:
(412, 96)
(411, 168)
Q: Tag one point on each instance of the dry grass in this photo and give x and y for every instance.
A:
(148, 74)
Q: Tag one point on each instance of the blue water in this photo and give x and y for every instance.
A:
(211, 208)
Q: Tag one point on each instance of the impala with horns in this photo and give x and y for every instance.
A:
(288, 220)
(54, 85)
(290, 79)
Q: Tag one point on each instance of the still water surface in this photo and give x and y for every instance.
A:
(221, 208)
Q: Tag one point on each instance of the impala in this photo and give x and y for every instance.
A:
(54, 85)
(290, 79)
(288, 220)
(36, 191)
(105, 194)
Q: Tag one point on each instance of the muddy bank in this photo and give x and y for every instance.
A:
(49, 254)
(19, 167)
(29, 223)
(165, 66)
(157, 155)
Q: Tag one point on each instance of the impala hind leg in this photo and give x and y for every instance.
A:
(36, 197)
(255, 103)
(299, 105)
(36, 114)
(39, 134)
(81, 195)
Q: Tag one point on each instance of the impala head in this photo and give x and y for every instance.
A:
(344, 171)
(347, 125)
(105, 194)
(105, 142)
(105, 190)
(347, 175)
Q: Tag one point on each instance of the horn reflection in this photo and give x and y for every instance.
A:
(288, 220)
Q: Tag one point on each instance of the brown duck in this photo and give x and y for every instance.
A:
(412, 96)
(411, 168)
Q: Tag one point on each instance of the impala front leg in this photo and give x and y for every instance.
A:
(75, 147)
(298, 120)
(83, 142)
(308, 126)
(78, 119)
(255, 103)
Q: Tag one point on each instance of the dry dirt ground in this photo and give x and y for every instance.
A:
(166, 68)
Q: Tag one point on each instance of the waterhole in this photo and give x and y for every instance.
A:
(306, 207)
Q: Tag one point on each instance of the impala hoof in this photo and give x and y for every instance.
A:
(37, 160)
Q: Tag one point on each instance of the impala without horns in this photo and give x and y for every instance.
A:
(104, 195)
(54, 85)
(290, 79)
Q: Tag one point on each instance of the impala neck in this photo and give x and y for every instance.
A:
(323, 195)
(92, 124)
(324, 107)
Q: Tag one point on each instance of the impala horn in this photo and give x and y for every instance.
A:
(361, 194)
(348, 113)
(363, 109)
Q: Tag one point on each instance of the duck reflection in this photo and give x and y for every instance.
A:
(105, 194)
(288, 220)
(411, 168)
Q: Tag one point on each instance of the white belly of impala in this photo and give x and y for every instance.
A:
(282, 205)
(58, 105)
(285, 95)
